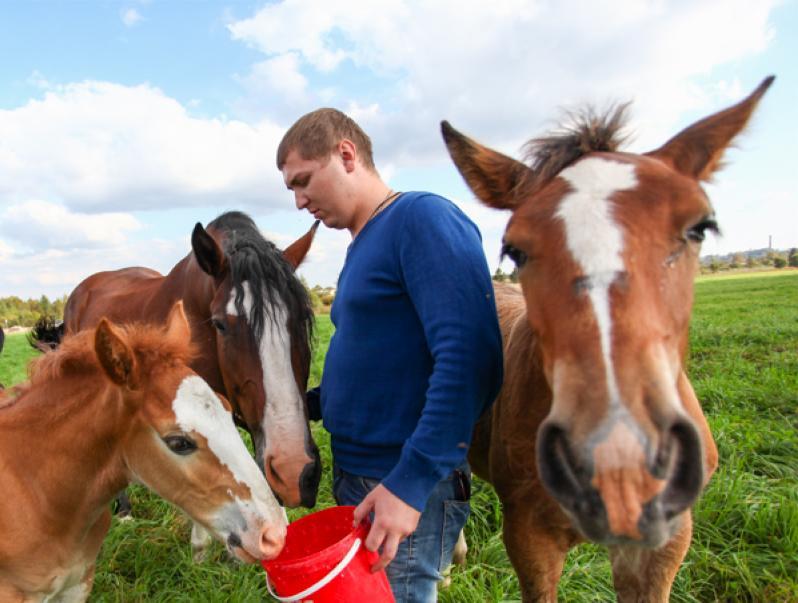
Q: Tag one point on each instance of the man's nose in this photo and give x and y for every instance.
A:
(301, 200)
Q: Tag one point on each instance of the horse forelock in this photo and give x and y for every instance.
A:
(581, 132)
(76, 355)
(272, 282)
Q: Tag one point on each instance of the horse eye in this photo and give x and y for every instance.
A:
(697, 233)
(181, 445)
(515, 254)
(218, 324)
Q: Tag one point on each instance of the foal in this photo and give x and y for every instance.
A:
(115, 405)
(597, 433)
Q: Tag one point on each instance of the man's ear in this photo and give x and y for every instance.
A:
(347, 150)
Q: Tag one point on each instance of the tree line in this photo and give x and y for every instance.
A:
(17, 312)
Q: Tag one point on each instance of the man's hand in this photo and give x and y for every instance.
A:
(394, 520)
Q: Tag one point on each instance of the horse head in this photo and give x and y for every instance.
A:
(180, 438)
(606, 244)
(262, 323)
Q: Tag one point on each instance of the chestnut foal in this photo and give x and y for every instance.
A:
(115, 405)
(597, 434)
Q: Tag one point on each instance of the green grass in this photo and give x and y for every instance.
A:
(14, 359)
(744, 367)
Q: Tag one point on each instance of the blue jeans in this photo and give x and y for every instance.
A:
(415, 571)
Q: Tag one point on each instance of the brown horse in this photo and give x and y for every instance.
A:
(111, 406)
(251, 322)
(597, 433)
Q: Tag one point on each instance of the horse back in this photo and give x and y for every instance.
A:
(119, 295)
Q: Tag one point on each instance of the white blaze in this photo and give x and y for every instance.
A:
(197, 409)
(596, 241)
(285, 414)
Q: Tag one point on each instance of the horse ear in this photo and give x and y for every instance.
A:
(208, 253)
(115, 356)
(491, 175)
(297, 250)
(177, 326)
(697, 150)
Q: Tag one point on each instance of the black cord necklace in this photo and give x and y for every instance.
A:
(391, 196)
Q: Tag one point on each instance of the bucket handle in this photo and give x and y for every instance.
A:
(321, 583)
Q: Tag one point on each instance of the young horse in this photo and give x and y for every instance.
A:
(251, 323)
(114, 405)
(597, 433)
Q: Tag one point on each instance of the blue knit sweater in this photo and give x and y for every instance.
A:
(416, 355)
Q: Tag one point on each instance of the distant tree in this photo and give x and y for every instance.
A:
(792, 259)
(779, 262)
(750, 262)
(499, 275)
(514, 275)
(714, 265)
(737, 261)
(769, 258)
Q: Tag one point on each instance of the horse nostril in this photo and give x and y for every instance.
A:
(685, 459)
(234, 541)
(272, 541)
(271, 472)
(556, 465)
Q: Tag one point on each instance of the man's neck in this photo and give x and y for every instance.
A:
(373, 192)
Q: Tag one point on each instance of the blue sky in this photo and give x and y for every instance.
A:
(122, 124)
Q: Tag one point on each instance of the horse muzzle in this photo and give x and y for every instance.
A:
(621, 496)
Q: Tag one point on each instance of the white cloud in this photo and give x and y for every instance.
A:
(55, 273)
(131, 17)
(40, 225)
(501, 69)
(98, 146)
(6, 250)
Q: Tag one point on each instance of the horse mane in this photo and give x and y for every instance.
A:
(76, 355)
(580, 132)
(272, 279)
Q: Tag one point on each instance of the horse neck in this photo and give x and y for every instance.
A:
(186, 281)
(525, 383)
(63, 455)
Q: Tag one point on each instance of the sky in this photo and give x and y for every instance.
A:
(123, 124)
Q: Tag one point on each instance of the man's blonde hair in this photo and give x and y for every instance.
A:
(317, 134)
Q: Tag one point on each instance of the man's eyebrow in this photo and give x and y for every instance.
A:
(293, 182)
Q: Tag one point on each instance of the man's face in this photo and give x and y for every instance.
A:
(319, 186)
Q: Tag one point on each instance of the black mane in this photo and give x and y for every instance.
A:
(582, 132)
(271, 278)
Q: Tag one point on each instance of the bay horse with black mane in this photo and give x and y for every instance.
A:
(597, 433)
(112, 405)
(251, 323)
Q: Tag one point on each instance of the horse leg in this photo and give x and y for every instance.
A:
(201, 539)
(643, 575)
(536, 553)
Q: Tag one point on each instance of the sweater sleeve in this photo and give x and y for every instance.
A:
(447, 279)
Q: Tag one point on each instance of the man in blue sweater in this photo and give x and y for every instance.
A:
(416, 356)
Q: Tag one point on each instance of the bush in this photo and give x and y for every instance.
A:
(779, 262)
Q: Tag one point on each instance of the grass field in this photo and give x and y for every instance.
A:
(744, 366)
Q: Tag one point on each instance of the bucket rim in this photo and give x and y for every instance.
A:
(361, 531)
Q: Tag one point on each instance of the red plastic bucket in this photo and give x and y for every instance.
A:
(324, 561)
